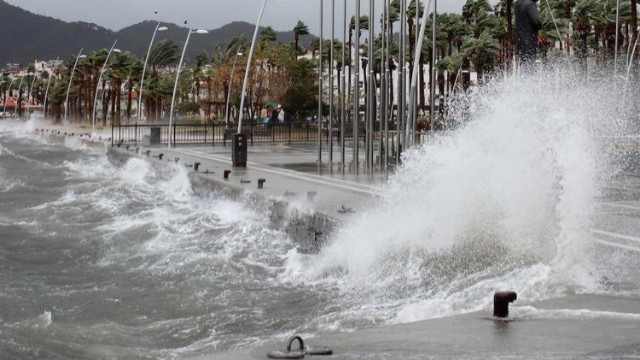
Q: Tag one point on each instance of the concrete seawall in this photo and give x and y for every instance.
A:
(303, 209)
(308, 228)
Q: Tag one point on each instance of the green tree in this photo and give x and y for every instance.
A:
(268, 35)
(163, 53)
(483, 50)
(300, 98)
(202, 59)
(299, 30)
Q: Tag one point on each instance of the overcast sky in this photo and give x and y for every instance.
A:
(205, 14)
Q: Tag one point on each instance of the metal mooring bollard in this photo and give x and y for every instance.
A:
(160, 156)
(226, 174)
(289, 353)
(299, 353)
(501, 300)
(196, 165)
(261, 183)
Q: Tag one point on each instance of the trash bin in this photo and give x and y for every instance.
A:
(155, 135)
(239, 150)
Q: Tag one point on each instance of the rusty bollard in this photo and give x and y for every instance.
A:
(501, 300)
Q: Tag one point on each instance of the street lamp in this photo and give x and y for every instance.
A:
(33, 81)
(46, 93)
(20, 97)
(95, 100)
(246, 72)
(233, 69)
(144, 68)
(4, 110)
(175, 86)
(66, 101)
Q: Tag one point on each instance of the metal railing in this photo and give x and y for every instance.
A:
(218, 134)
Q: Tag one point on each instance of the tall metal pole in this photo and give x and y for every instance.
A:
(371, 93)
(401, 122)
(615, 58)
(175, 86)
(356, 89)
(433, 65)
(248, 69)
(414, 76)
(144, 69)
(320, 86)
(233, 69)
(35, 76)
(4, 110)
(19, 97)
(331, 82)
(95, 100)
(46, 93)
(343, 104)
(383, 89)
(66, 101)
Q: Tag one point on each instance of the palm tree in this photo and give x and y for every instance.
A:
(163, 53)
(124, 68)
(583, 27)
(202, 59)
(268, 35)
(298, 30)
(552, 31)
(483, 51)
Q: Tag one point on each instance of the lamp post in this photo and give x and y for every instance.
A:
(5, 97)
(248, 69)
(33, 81)
(66, 101)
(46, 93)
(233, 69)
(175, 86)
(95, 100)
(4, 110)
(144, 68)
(320, 85)
(19, 96)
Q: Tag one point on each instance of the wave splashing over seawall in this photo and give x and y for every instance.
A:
(504, 201)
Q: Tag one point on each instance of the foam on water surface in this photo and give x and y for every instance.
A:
(504, 201)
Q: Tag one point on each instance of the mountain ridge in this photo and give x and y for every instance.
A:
(28, 36)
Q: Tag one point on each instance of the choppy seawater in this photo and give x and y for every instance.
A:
(99, 261)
